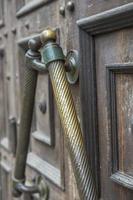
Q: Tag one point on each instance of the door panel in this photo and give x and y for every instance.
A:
(115, 126)
(125, 115)
(107, 58)
(112, 144)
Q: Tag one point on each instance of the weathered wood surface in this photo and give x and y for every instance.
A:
(21, 19)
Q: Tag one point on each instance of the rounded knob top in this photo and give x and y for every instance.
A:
(48, 35)
(70, 6)
(34, 44)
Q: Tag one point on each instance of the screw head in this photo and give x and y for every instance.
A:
(27, 25)
(14, 30)
(43, 107)
(62, 10)
(70, 6)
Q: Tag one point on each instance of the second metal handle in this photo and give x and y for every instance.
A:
(27, 105)
(30, 79)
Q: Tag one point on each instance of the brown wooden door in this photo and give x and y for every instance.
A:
(106, 73)
(102, 33)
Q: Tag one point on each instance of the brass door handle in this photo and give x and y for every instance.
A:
(55, 65)
(30, 79)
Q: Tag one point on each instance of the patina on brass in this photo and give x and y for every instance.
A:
(68, 116)
(33, 59)
(54, 63)
(72, 66)
(46, 34)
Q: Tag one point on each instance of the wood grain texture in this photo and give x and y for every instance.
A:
(119, 77)
(96, 51)
(107, 49)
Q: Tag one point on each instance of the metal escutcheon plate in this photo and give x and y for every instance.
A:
(72, 59)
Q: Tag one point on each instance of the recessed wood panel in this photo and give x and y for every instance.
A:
(120, 93)
(45, 130)
(24, 7)
(104, 38)
(124, 99)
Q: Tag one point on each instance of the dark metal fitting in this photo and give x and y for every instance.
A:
(13, 134)
(16, 192)
(30, 56)
(39, 188)
(62, 10)
(14, 30)
(33, 61)
(72, 66)
(12, 119)
(27, 25)
(39, 66)
(22, 188)
(8, 77)
(35, 44)
(70, 6)
(33, 56)
(43, 189)
(43, 107)
(52, 52)
(33, 52)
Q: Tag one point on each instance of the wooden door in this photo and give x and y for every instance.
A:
(102, 33)
(106, 73)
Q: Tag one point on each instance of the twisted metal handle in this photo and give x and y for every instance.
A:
(72, 130)
(68, 116)
(54, 60)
